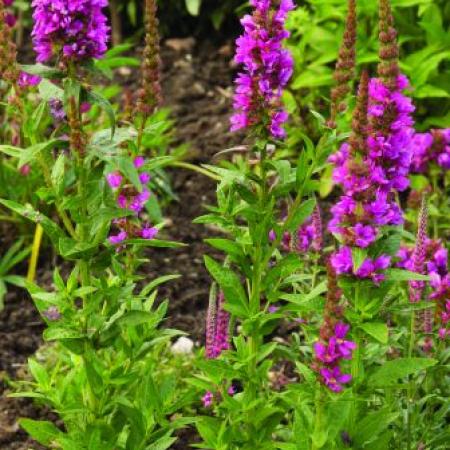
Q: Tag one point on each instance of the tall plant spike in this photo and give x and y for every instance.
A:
(358, 138)
(388, 68)
(345, 67)
(419, 255)
(150, 96)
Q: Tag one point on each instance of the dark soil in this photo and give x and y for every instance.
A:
(197, 87)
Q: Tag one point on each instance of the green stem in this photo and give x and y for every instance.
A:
(200, 170)
(410, 395)
(357, 356)
(255, 294)
(141, 132)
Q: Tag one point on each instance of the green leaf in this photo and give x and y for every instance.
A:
(49, 90)
(42, 431)
(54, 232)
(97, 99)
(39, 373)
(229, 247)
(359, 255)
(155, 243)
(56, 333)
(42, 71)
(58, 174)
(193, 7)
(135, 318)
(163, 443)
(302, 299)
(301, 214)
(155, 283)
(392, 371)
(231, 286)
(71, 249)
(10, 150)
(31, 153)
(372, 425)
(404, 275)
(377, 330)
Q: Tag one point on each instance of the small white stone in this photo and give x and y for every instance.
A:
(183, 346)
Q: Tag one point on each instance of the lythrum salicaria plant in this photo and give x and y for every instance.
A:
(99, 373)
(327, 384)
(251, 211)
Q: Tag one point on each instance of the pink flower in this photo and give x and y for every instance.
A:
(334, 379)
(208, 399)
(114, 180)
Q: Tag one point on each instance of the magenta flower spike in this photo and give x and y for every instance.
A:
(374, 165)
(217, 326)
(431, 148)
(333, 347)
(267, 68)
(74, 30)
(128, 197)
(419, 255)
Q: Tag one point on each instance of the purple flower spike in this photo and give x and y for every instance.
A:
(129, 197)
(267, 68)
(74, 30)
(432, 148)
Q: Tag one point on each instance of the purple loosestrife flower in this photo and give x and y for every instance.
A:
(114, 179)
(436, 266)
(267, 68)
(307, 237)
(334, 378)
(419, 255)
(223, 323)
(74, 30)
(217, 324)
(374, 165)
(430, 149)
(333, 348)
(208, 399)
(57, 109)
(129, 197)
(28, 80)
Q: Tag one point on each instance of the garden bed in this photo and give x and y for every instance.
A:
(197, 86)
